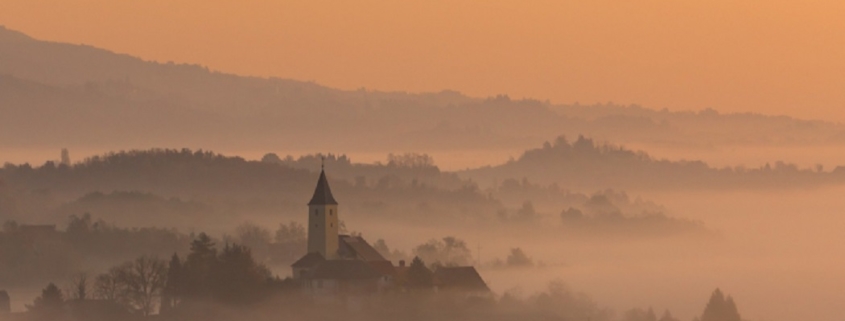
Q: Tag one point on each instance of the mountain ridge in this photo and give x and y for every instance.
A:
(86, 88)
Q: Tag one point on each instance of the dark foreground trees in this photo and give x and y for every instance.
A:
(419, 276)
(149, 285)
(231, 276)
(49, 305)
(136, 285)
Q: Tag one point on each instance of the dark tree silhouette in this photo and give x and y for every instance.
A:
(199, 267)
(720, 308)
(79, 287)
(239, 279)
(49, 304)
(109, 287)
(231, 277)
(419, 276)
(518, 258)
(144, 279)
(172, 293)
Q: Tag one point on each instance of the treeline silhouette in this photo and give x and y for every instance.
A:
(213, 282)
(584, 164)
(149, 285)
(30, 253)
(174, 188)
(213, 186)
(408, 167)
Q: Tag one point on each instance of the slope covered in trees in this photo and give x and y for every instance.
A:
(584, 164)
(178, 188)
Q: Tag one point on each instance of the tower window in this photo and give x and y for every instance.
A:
(331, 212)
(316, 212)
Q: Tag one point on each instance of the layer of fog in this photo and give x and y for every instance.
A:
(779, 255)
(453, 160)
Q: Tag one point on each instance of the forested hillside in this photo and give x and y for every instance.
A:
(584, 164)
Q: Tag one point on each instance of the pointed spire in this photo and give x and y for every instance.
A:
(322, 194)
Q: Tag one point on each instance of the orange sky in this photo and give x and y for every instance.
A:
(769, 56)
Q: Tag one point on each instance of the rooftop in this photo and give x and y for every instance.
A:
(344, 270)
(309, 260)
(460, 277)
(322, 194)
(357, 247)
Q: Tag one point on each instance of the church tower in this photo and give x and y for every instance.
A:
(322, 220)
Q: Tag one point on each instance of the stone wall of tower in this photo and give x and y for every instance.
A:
(323, 230)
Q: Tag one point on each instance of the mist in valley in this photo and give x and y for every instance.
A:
(116, 167)
(671, 248)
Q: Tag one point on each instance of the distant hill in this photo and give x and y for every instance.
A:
(57, 94)
(191, 189)
(176, 186)
(584, 165)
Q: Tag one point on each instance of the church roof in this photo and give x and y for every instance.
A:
(355, 247)
(309, 260)
(383, 267)
(322, 194)
(344, 270)
(460, 278)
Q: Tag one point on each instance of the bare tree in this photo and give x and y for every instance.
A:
(137, 284)
(108, 285)
(145, 279)
(292, 232)
(79, 287)
(449, 251)
(255, 237)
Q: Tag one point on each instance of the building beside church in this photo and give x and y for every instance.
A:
(347, 264)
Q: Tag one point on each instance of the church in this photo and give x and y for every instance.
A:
(337, 263)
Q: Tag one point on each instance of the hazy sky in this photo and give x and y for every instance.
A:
(770, 56)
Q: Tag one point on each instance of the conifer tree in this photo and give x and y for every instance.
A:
(49, 304)
(419, 276)
(175, 286)
(720, 308)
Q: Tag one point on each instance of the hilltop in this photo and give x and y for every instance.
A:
(584, 164)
